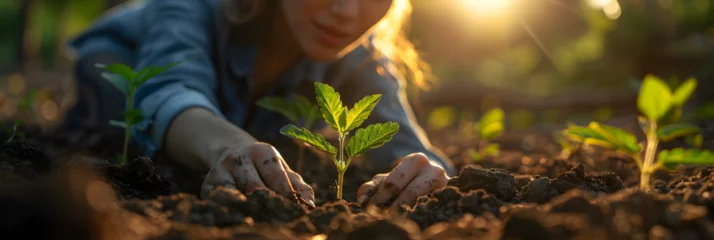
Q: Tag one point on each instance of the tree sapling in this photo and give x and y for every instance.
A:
(344, 120)
(25, 105)
(128, 81)
(655, 100)
(489, 127)
(300, 112)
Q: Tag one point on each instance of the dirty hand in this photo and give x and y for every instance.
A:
(255, 166)
(415, 176)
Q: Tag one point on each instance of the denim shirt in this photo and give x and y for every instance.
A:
(216, 74)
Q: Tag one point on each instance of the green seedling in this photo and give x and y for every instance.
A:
(655, 100)
(344, 120)
(26, 105)
(128, 81)
(679, 97)
(567, 146)
(300, 112)
(490, 126)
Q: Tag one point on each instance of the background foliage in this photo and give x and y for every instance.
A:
(542, 61)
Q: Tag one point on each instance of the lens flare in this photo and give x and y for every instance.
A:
(488, 7)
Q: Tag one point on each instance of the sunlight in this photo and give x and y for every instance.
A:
(611, 8)
(488, 7)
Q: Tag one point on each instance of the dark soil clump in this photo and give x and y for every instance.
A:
(496, 182)
(542, 189)
(137, 179)
(449, 204)
(23, 159)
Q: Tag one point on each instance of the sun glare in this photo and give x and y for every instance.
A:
(488, 7)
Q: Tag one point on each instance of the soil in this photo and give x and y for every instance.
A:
(533, 194)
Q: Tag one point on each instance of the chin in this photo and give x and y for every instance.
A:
(323, 55)
(320, 53)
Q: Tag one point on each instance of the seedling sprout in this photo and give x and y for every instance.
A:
(128, 81)
(490, 126)
(300, 112)
(344, 120)
(655, 101)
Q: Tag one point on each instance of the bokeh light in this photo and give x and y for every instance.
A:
(49, 110)
(611, 8)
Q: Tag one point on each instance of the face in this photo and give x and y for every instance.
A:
(328, 29)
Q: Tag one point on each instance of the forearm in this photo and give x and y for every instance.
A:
(196, 138)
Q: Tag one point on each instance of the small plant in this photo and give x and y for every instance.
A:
(655, 101)
(344, 120)
(300, 112)
(26, 105)
(128, 81)
(489, 127)
(567, 147)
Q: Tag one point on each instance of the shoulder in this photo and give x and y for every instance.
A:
(125, 24)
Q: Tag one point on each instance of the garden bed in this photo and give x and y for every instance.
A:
(590, 195)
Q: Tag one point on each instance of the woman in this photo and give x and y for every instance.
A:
(202, 112)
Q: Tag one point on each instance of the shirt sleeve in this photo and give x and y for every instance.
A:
(174, 31)
(377, 77)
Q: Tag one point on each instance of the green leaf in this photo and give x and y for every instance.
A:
(309, 113)
(151, 72)
(604, 136)
(684, 91)
(491, 131)
(133, 117)
(373, 136)
(282, 106)
(118, 81)
(695, 140)
(361, 110)
(122, 70)
(28, 101)
(492, 116)
(492, 150)
(342, 122)
(308, 137)
(116, 123)
(671, 159)
(330, 105)
(655, 97)
(441, 117)
(625, 141)
(672, 131)
(475, 155)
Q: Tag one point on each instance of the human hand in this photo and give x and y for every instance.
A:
(415, 176)
(255, 166)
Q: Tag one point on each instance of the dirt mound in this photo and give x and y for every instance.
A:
(137, 179)
(542, 189)
(497, 182)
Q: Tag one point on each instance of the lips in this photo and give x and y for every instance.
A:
(330, 36)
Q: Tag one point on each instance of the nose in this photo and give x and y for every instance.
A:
(345, 9)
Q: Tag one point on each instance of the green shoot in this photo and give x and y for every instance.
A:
(490, 126)
(679, 97)
(344, 120)
(128, 81)
(567, 146)
(300, 112)
(655, 101)
(25, 105)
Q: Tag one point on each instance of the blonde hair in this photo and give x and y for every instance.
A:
(389, 39)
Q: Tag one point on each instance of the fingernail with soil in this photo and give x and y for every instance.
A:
(362, 199)
(312, 204)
